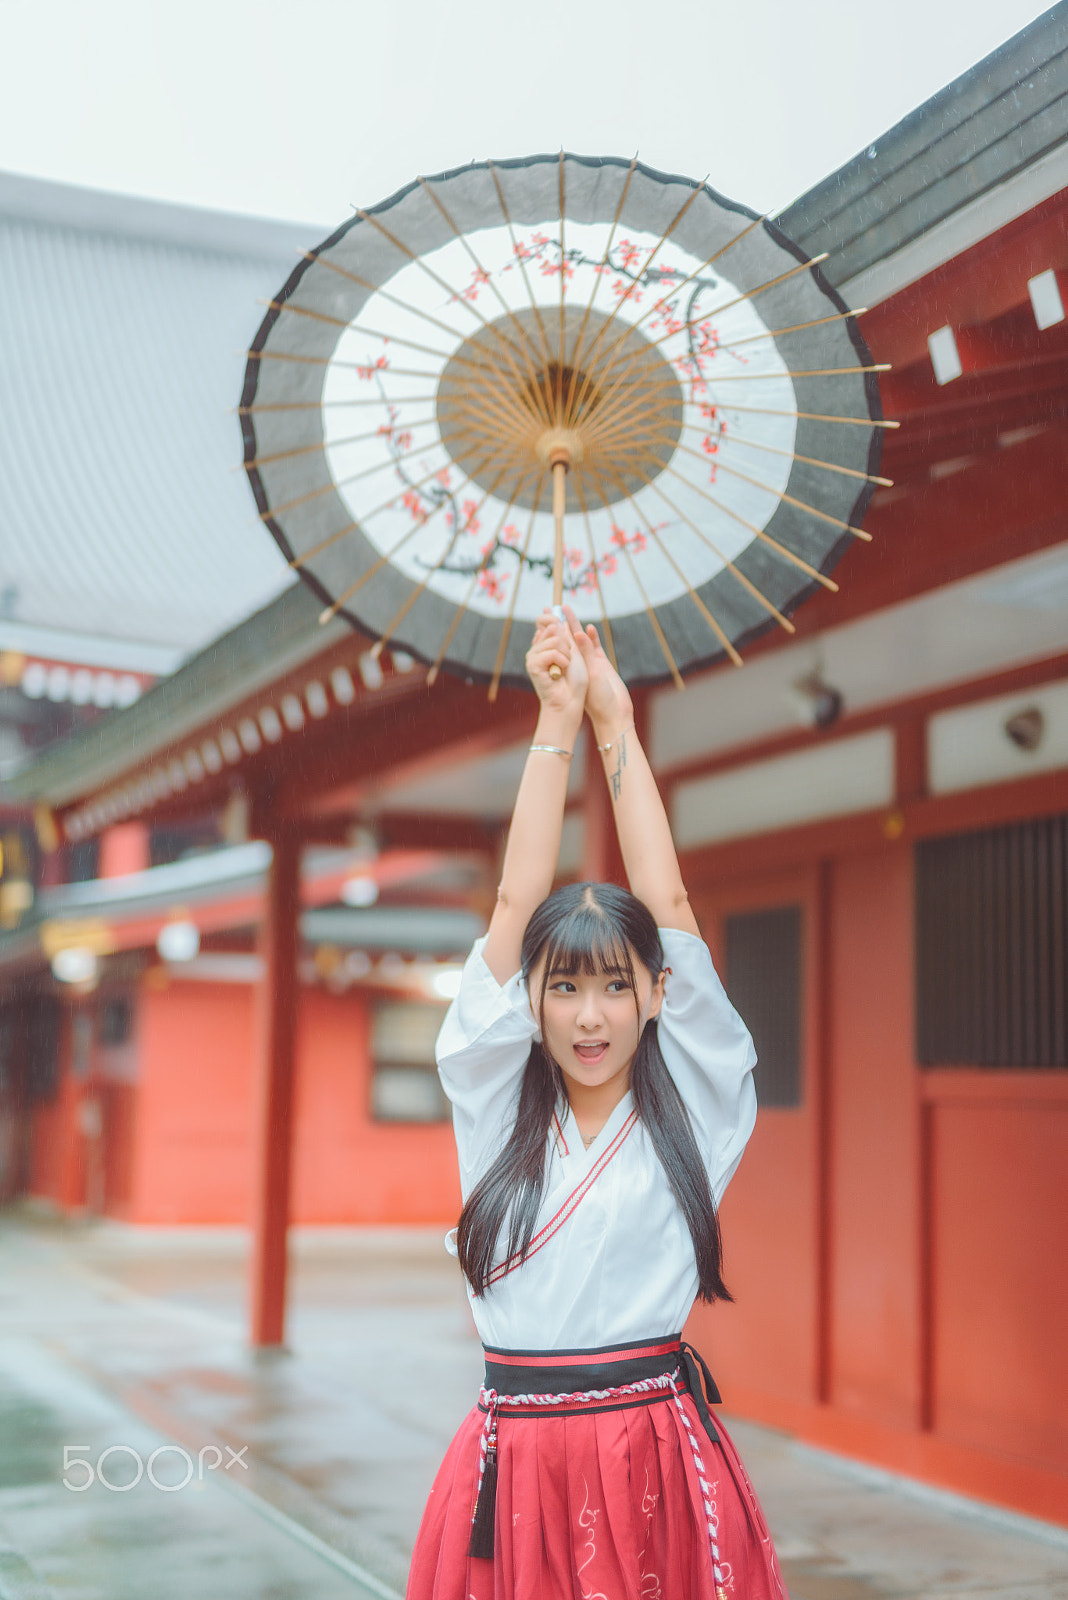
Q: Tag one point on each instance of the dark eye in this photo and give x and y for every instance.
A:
(564, 985)
(618, 986)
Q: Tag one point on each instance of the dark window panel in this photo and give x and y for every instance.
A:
(992, 947)
(764, 982)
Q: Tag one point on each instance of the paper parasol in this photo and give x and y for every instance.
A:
(570, 375)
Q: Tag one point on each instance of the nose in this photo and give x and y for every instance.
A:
(590, 1012)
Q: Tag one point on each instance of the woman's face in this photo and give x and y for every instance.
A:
(591, 1022)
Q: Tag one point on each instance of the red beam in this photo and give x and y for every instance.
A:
(455, 835)
(275, 1037)
(1006, 506)
(977, 286)
(412, 742)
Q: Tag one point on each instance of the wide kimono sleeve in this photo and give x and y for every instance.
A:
(481, 1052)
(709, 1053)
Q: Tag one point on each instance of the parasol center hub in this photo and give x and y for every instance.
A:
(601, 419)
(559, 447)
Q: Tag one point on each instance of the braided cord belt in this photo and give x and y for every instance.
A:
(668, 1380)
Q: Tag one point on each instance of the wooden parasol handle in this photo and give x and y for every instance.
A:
(559, 460)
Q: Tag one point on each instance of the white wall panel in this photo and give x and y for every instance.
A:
(830, 780)
(969, 746)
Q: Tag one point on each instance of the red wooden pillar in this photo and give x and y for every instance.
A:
(274, 1044)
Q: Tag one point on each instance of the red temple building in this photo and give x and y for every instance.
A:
(873, 818)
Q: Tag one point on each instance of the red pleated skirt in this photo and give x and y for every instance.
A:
(603, 1503)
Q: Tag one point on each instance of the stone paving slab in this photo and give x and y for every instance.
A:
(111, 1335)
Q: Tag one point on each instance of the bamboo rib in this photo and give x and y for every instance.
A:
(431, 676)
(498, 664)
(526, 344)
(284, 355)
(753, 444)
(625, 296)
(816, 372)
(629, 407)
(798, 327)
(522, 263)
(791, 500)
(343, 599)
(322, 405)
(808, 416)
(369, 333)
(515, 418)
(341, 483)
(435, 277)
(393, 372)
(654, 343)
(524, 336)
(715, 256)
(750, 294)
(690, 590)
(333, 444)
(404, 305)
(759, 533)
(324, 544)
(746, 583)
(603, 329)
(387, 633)
(636, 407)
(473, 440)
(580, 337)
(324, 361)
(649, 611)
(465, 424)
(809, 461)
(456, 357)
(609, 641)
(716, 311)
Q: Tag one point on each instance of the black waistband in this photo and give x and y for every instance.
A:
(552, 1372)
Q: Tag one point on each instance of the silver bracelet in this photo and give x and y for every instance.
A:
(604, 748)
(553, 750)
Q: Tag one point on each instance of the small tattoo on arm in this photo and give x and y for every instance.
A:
(616, 776)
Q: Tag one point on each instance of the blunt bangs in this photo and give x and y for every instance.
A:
(587, 942)
(591, 928)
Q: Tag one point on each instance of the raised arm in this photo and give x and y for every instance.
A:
(641, 821)
(533, 849)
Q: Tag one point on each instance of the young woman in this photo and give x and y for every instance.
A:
(602, 1096)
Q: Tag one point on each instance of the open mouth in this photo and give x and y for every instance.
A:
(591, 1053)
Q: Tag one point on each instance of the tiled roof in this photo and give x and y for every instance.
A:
(1006, 115)
(123, 326)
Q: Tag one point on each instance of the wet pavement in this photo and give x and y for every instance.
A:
(195, 1467)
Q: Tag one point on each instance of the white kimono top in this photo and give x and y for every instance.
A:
(619, 1267)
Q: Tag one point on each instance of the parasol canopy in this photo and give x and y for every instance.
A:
(561, 378)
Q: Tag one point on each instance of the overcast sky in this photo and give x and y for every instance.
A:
(300, 110)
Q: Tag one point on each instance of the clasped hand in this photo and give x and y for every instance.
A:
(588, 680)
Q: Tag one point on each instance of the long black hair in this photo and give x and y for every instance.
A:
(590, 928)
